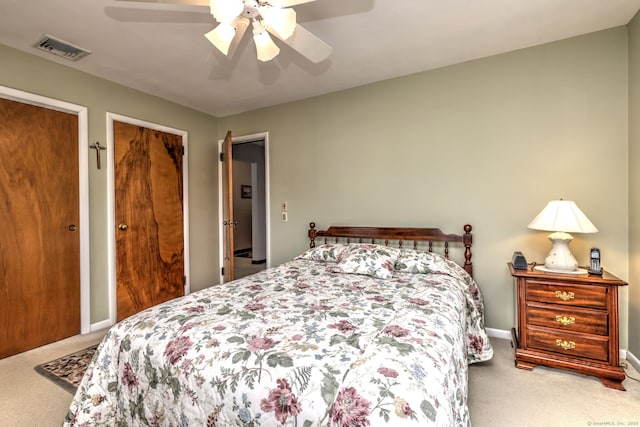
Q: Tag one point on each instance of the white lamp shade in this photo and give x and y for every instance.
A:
(265, 47)
(281, 21)
(226, 10)
(562, 215)
(222, 36)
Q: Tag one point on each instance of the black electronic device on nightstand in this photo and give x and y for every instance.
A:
(519, 261)
(595, 266)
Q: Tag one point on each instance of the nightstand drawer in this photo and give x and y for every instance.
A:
(574, 345)
(583, 296)
(568, 318)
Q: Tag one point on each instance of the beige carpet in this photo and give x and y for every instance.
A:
(500, 394)
(27, 399)
(244, 267)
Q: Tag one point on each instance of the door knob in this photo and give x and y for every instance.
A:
(73, 227)
(123, 227)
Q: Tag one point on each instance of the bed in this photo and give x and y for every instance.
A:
(370, 326)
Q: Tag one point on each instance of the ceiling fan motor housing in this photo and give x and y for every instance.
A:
(251, 9)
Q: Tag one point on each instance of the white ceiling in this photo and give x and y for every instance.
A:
(160, 48)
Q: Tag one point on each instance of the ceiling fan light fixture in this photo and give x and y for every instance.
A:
(265, 47)
(222, 36)
(270, 19)
(281, 21)
(226, 10)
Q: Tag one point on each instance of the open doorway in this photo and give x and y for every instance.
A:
(250, 201)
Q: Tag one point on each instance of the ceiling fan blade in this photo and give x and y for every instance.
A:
(308, 45)
(241, 24)
(283, 3)
(289, 3)
(185, 2)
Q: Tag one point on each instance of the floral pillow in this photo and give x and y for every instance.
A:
(368, 259)
(326, 253)
(412, 261)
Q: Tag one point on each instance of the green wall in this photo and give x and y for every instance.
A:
(634, 185)
(32, 74)
(487, 142)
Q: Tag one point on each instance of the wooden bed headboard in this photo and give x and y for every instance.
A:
(383, 235)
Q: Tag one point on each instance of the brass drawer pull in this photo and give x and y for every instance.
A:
(566, 345)
(565, 296)
(564, 320)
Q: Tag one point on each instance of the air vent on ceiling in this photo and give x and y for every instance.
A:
(61, 48)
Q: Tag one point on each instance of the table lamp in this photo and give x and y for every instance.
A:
(562, 217)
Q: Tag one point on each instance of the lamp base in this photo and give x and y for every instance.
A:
(560, 258)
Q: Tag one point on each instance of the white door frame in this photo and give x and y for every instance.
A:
(239, 139)
(83, 170)
(111, 196)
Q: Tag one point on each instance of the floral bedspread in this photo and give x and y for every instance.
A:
(296, 345)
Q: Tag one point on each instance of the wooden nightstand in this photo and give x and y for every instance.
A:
(569, 321)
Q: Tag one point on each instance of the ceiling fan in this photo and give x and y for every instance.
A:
(275, 17)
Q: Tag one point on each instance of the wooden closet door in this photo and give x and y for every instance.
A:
(39, 214)
(149, 217)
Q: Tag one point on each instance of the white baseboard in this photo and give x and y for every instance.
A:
(499, 333)
(100, 325)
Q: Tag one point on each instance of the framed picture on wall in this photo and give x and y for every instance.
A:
(245, 191)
